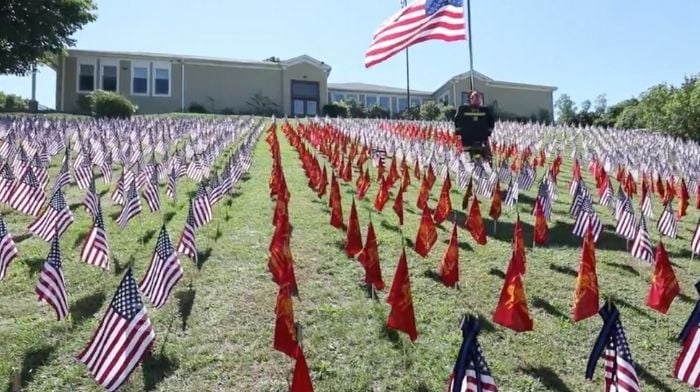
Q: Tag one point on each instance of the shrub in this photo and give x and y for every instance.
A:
(100, 103)
(335, 110)
(262, 105)
(196, 107)
(448, 112)
(410, 113)
(430, 111)
(377, 111)
(13, 103)
(354, 109)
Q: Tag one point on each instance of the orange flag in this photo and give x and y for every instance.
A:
(511, 311)
(664, 285)
(405, 176)
(369, 258)
(285, 332)
(467, 195)
(347, 171)
(398, 206)
(335, 204)
(586, 293)
(519, 247)
(495, 210)
(474, 223)
(423, 194)
(353, 241)
(449, 267)
(541, 234)
(444, 206)
(427, 234)
(401, 316)
(301, 381)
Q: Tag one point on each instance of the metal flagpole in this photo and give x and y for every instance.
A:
(404, 4)
(469, 40)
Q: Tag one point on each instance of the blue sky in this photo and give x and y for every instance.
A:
(585, 48)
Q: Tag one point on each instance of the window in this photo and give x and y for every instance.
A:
(415, 101)
(371, 101)
(299, 107)
(305, 96)
(403, 103)
(385, 103)
(337, 97)
(86, 76)
(311, 108)
(465, 98)
(161, 79)
(445, 98)
(352, 97)
(140, 73)
(109, 75)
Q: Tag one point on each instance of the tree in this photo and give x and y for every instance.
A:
(31, 32)
(262, 105)
(354, 109)
(430, 111)
(601, 105)
(377, 111)
(585, 106)
(273, 59)
(630, 118)
(566, 109)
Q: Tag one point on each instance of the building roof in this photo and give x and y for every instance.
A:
(197, 59)
(373, 88)
(497, 83)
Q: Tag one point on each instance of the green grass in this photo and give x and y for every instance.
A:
(216, 333)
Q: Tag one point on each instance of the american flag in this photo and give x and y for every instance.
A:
(51, 287)
(526, 177)
(83, 175)
(188, 241)
(667, 224)
(687, 368)
(124, 337)
(7, 182)
(202, 207)
(641, 247)
(151, 193)
(695, 243)
(118, 194)
(8, 250)
(580, 195)
(512, 194)
(485, 186)
(545, 201)
(63, 178)
(587, 217)
(106, 169)
(606, 199)
(226, 179)
(171, 188)
(216, 190)
(195, 170)
(471, 372)
(54, 220)
(91, 199)
(504, 174)
(420, 21)
(625, 224)
(619, 202)
(163, 273)
(27, 196)
(132, 206)
(96, 248)
(646, 206)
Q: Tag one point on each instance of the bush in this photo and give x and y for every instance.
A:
(13, 103)
(377, 111)
(430, 111)
(411, 113)
(100, 103)
(354, 109)
(262, 105)
(448, 112)
(196, 107)
(335, 110)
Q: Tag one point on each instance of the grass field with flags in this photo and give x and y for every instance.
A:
(216, 331)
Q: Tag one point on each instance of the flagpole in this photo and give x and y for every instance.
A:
(469, 41)
(404, 4)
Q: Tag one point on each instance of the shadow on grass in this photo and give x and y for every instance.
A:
(75, 206)
(148, 236)
(431, 274)
(80, 239)
(486, 324)
(34, 264)
(157, 368)
(547, 307)
(560, 234)
(497, 272)
(103, 192)
(86, 307)
(203, 257)
(217, 233)
(389, 226)
(563, 270)
(22, 237)
(373, 295)
(635, 308)
(651, 380)
(120, 268)
(624, 267)
(686, 298)
(32, 361)
(547, 377)
(168, 217)
(185, 301)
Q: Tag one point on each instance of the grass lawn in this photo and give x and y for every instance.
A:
(216, 333)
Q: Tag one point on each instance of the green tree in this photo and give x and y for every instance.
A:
(566, 109)
(377, 111)
(32, 31)
(430, 111)
(273, 59)
(601, 105)
(354, 109)
(630, 118)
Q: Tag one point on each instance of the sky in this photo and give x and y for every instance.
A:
(584, 48)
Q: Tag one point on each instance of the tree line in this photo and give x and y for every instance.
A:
(664, 107)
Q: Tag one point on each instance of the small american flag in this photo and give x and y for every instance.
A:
(504, 174)
(131, 208)
(171, 188)
(123, 338)
(83, 175)
(91, 199)
(151, 193)
(588, 217)
(526, 177)
(641, 247)
(625, 224)
(216, 190)
(106, 169)
(545, 201)
(27, 196)
(687, 368)
(96, 249)
(63, 177)
(202, 207)
(55, 219)
(485, 186)
(51, 287)
(512, 194)
(8, 250)
(646, 206)
(606, 199)
(577, 204)
(695, 243)
(7, 182)
(471, 372)
(163, 273)
(188, 241)
(119, 188)
(667, 224)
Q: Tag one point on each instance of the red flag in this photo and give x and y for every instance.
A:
(335, 204)
(323, 183)
(495, 210)
(511, 311)
(416, 170)
(423, 194)
(519, 247)
(430, 176)
(427, 234)
(301, 381)
(285, 332)
(684, 200)
(382, 195)
(363, 184)
(449, 266)
(398, 206)
(369, 258)
(664, 285)
(444, 206)
(402, 317)
(586, 299)
(353, 241)
(281, 262)
(474, 223)
(541, 234)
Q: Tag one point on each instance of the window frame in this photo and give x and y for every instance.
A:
(336, 95)
(109, 63)
(85, 61)
(398, 104)
(162, 66)
(376, 100)
(388, 101)
(140, 64)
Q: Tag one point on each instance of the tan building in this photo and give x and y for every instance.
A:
(162, 83)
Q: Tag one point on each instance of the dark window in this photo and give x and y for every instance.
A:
(308, 90)
(140, 80)
(86, 79)
(162, 83)
(109, 78)
(305, 96)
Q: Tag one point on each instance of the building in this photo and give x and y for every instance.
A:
(508, 98)
(161, 83)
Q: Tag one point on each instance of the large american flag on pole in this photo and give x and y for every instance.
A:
(163, 273)
(124, 336)
(420, 21)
